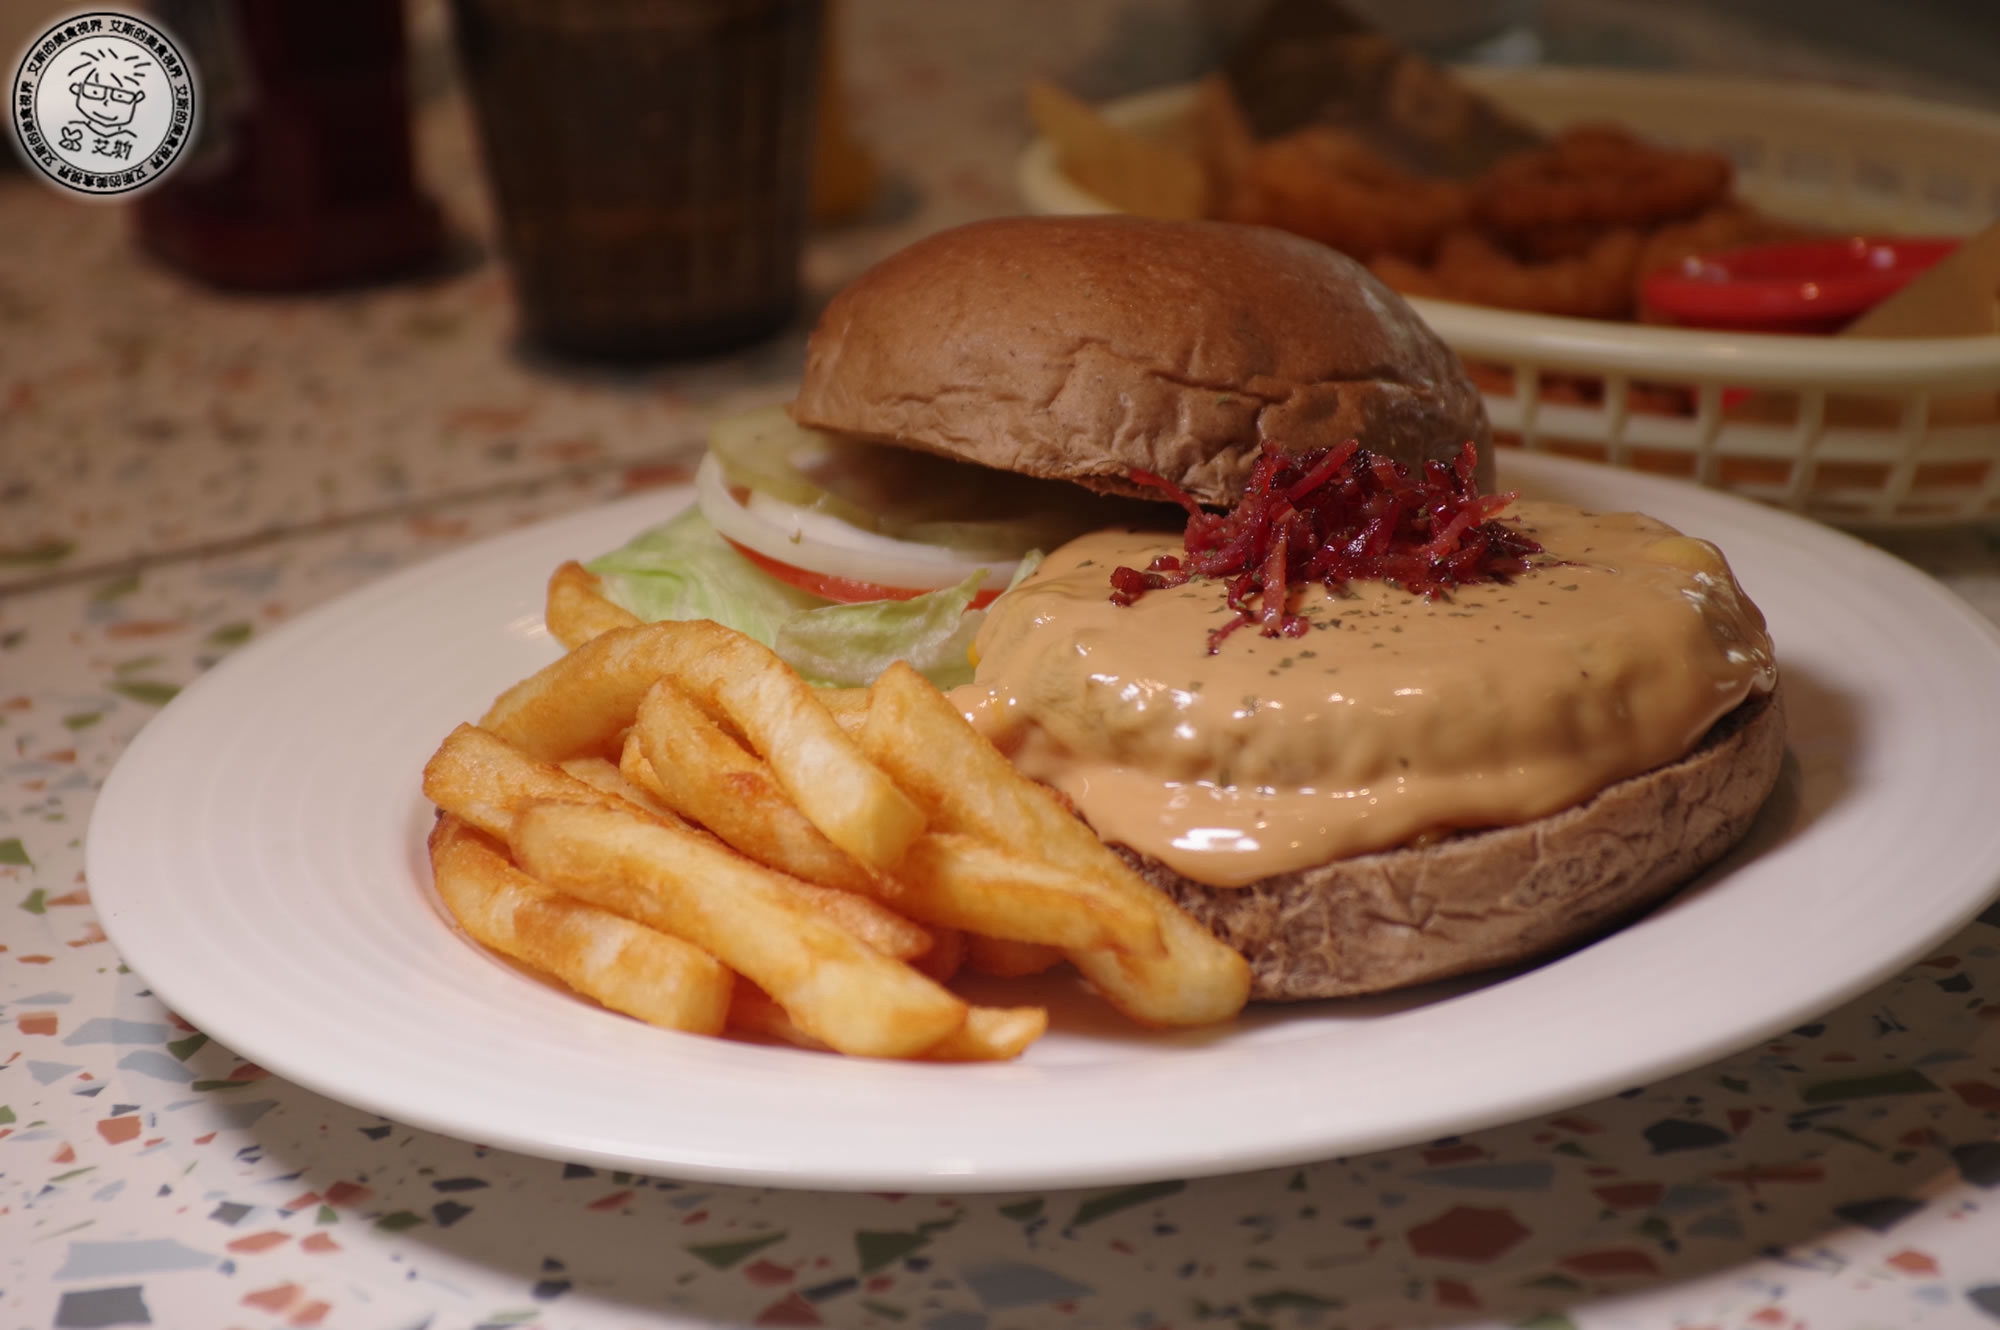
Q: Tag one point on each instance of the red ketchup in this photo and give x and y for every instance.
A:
(1815, 286)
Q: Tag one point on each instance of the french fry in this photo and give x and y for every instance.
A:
(832, 985)
(1132, 173)
(483, 780)
(710, 778)
(1200, 981)
(947, 953)
(602, 774)
(990, 1034)
(753, 1012)
(847, 706)
(633, 766)
(1004, 958)
(874, 923)
(486, 781)
(877, 925)
(1223, 141)
(578, 704)
(576, 609)
(625, 966)
(971, 792)
(599, 773)
(950, 880)
(964, 784)
(837, 803)
(962, 881)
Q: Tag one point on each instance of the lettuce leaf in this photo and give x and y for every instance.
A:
(684, 570)
(851, 644)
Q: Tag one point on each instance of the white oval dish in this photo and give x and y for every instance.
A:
(257, 856)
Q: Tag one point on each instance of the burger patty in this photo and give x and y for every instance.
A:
(1498, 896)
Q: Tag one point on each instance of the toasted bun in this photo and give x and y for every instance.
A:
(1081, 348)
(1491, 898)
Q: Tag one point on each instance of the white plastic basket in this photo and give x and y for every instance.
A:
(1867, 432)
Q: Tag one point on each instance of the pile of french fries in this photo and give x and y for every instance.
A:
(670, 821)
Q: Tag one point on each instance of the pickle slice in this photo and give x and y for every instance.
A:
(900, 492)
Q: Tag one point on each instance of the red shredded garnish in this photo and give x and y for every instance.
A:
(1335, 515)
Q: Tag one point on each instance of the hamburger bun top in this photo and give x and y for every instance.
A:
(1081, 348)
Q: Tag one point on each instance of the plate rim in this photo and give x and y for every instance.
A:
(122, 921)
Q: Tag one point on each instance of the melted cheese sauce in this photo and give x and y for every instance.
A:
(1393, 717)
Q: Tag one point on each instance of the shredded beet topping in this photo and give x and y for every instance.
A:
(1335, 515)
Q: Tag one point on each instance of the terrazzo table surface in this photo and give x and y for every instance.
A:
(180, 472)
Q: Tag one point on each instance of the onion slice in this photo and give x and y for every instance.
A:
(822, 543)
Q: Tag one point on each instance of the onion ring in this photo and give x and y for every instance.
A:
(1557, 202)
(1596, 284)
(1408, 279)
(1328, 185)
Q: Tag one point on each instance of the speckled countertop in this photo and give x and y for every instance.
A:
(179, 472)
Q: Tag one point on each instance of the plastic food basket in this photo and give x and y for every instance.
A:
(1867, 432)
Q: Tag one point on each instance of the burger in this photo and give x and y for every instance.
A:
(1197, 523)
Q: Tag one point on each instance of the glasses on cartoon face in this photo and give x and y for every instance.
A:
(97, 92)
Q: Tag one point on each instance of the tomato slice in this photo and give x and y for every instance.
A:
(843, 589)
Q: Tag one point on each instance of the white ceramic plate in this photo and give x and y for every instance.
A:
(257, 857)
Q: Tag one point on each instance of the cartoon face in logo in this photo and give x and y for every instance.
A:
(102, 103)
(109, 85)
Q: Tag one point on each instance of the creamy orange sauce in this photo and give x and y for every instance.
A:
(1391, 718)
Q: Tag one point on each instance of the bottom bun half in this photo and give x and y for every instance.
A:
(1495, 897)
